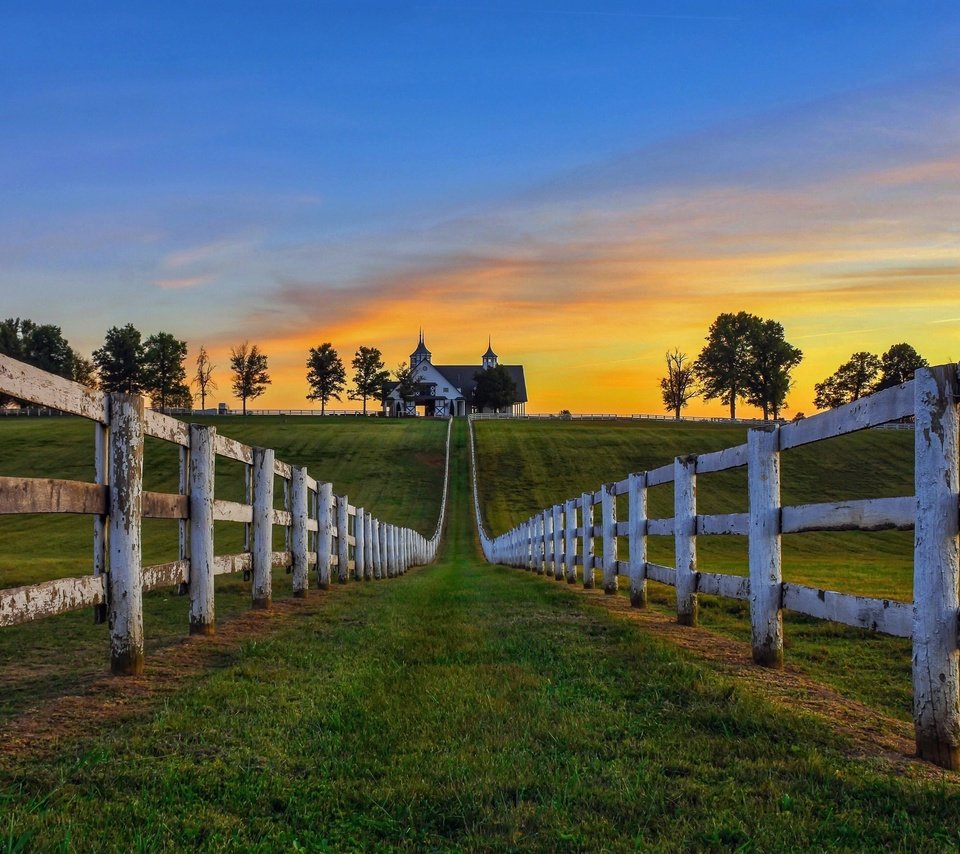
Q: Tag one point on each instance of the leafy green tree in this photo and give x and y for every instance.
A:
(203, 378)
(250, 376)
(898, 365)
(369, 375)
(84, 371)
(851, 381)
(406, 378)
(39, 344)
(771, 361)
(163, 375)
(494, 388)
(119, 361)
(678, 387)
(725, 363)
(325, 375)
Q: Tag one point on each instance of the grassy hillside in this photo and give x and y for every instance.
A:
(467, 707)
(392, 467)
(525, 466)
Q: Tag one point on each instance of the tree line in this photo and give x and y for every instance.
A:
(748, 358)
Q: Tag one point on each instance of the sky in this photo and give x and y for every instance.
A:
(589, 183)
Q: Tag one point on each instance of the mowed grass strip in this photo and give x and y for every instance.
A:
(393, 467)
(525, 466)
(468, 707)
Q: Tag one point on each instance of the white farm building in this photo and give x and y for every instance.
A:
(448, 389)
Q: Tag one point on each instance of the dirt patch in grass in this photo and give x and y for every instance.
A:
(48, 728)
(432, 461)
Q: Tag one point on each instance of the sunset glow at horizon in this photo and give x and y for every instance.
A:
(590, 185)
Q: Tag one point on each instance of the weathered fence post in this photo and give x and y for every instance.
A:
(359, 551)
(936, 682)
(263, 473)
(637, 544)
(343, 541)
(546, 528)
(586, 550)
(685, 538)
(608, 509)
(202, 469)
(298, 534)
(126, 513)
(570, 547)
(557, 527)
(367, 547)
(538, 542)
(324, 533)
(766, 578)
(375, 544)
(101, 522)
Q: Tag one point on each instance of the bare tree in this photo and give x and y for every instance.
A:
(679, 385)
(203, 378)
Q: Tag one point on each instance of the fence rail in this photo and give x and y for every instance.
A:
(557, 540)
(321, 530)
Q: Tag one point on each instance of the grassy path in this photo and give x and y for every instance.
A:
(470, 707)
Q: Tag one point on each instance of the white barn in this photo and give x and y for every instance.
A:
(448, 389)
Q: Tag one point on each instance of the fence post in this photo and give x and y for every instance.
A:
(570, 547)
(608, 509)
(685, 538)
(586, 550)
(324, 534)
(343, 543)
(936, 683)
(298, 533)
(125, 531)
(766, 579)
(367, 547)
(557, 527)
(546, 528)
(637, 509)
(359, 553)
(101, 521)
(202, 469)
(263, 472)
(375, 545)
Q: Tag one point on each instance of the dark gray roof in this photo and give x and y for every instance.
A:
(462, 377)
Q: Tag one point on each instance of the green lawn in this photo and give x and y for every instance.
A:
(528, 465)
(467, 707)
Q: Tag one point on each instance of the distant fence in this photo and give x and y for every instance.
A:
(321, 529)
(561, 538)
(600, 416)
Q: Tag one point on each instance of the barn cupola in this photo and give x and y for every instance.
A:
(489, 358)
(421, 354)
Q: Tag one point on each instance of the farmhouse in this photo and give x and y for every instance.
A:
(448, 389)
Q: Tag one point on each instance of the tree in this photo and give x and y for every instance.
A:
(119, 360)
(851, 381)
(898, 365)
(772, 360)
(84, 371)
(250, 377)
(203, 378)
(369, 375)
(325, 375)
(162, 373)
(679, 385)
(494, 388)
(406, 382)
(725, 363)
(40, 345)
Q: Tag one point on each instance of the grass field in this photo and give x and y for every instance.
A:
(466, 707)
(393, 467)
(528, 465)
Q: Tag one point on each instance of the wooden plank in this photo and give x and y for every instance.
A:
(164, 427)
(764, 554)
(888, 405)
(728, 458)
(35, 601)
(226, 564)
(25, 382)
(718, 584)
(232, 511)
(281, 558)
(872, 514)
(659, 527)
(261, 591)
(313, 525)
(735, 524)
(282, 469)
(663, 574)
(659, 476)
(685, 538)
(50, 495)
(163, 505)
(282, 517)
(203, 460)
(637, 542)
(880, 615)
(234, 450)
(166, 574)
(312, 484)
(622, 487)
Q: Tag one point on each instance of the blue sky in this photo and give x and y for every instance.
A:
(267, 171)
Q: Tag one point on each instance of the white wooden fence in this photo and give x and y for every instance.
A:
(560, 538)
(322, 530)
